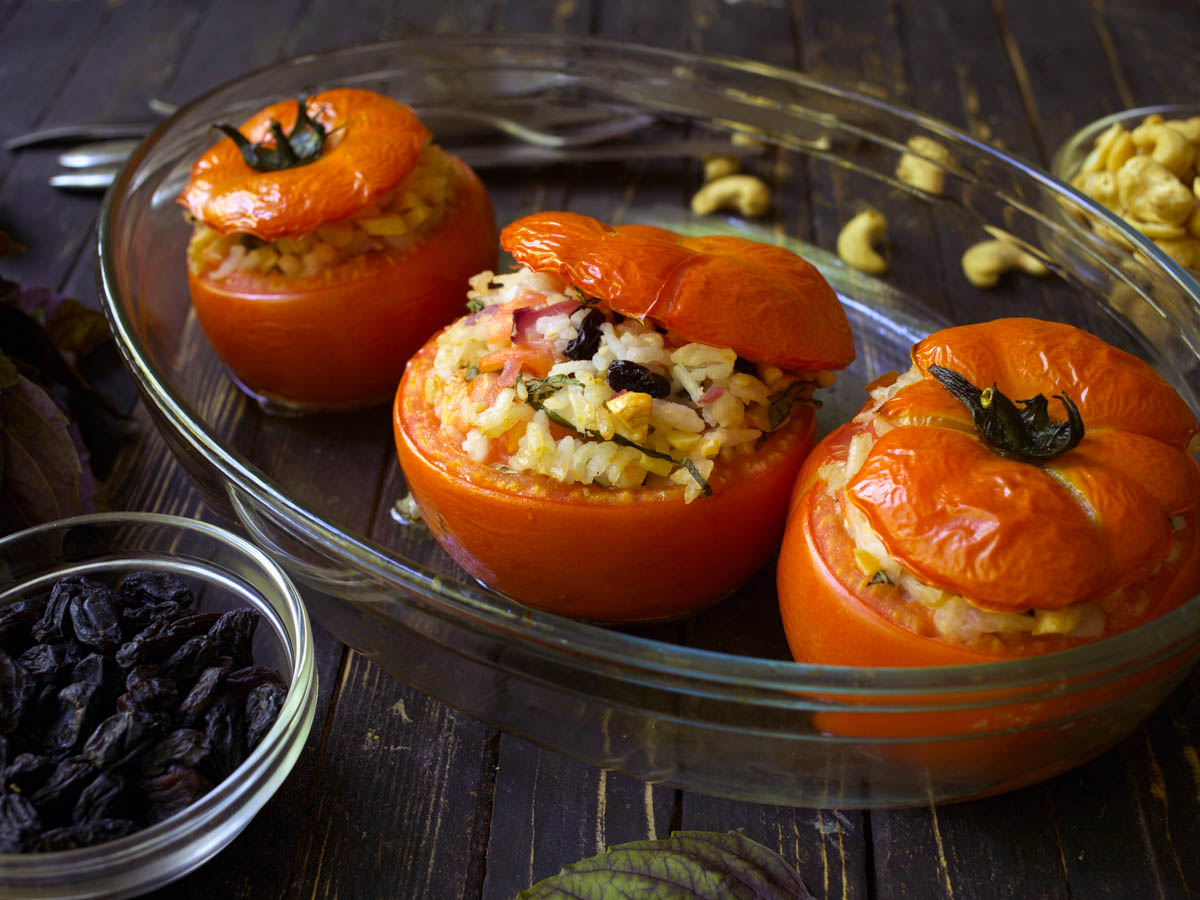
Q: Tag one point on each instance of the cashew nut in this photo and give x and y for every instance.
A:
(719, 166)
(1148, 191)
(1185, 251)
(985, 262)
(1166, 145)
(1100, 186)
(857, 241)
(748, 194)
(921, 168)
(1097, 159)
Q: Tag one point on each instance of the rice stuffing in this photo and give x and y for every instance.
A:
(540, 379)
(395, 221)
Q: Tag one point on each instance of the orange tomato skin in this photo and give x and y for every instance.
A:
(765, 302)
(592, 552)
(994, 741)
(341, 337)
(372, 142)
(822, 589)
(1005, 534)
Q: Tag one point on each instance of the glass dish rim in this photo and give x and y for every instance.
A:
(182, 827)
(573, 640)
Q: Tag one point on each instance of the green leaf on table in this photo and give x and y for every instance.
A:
(705, 865)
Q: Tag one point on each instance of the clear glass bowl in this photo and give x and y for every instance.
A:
(224, 572)
(713, 704)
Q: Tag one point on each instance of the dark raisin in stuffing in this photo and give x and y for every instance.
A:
(624, 375)
(743, 365)
(585, 344)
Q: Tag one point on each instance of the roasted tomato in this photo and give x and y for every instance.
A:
(322, 258)
(613, 432)
(948, 524)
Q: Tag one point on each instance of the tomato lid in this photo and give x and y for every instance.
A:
(1010, 534)
(763, 301)
(371, 144)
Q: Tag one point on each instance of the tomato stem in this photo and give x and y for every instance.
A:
(301, 147)
(1028, 434)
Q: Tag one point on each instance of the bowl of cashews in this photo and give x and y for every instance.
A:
(1144, 165)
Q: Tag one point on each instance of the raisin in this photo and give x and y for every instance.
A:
(20, 824)
(54, 624)
(249, 678)
(146, 689)
(232, 635)
(743, 365)
(49, 663)
(83, 711)
(182, 747)
(121, 737)
(147, 596)
(176, 789)
(587, 341)
(262, 709)
(192, 657)
(225, 729)
(107, 797)
(17, 689)
(27, 772)
(17, 616)
(162, 637)
(200, 697)
(58, 795)
(78, 708)
(624, 375)
(94, 618)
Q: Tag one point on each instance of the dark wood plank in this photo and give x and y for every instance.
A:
(550, 811)
(395, 811)
(116, 72)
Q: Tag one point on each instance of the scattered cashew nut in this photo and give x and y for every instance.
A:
(857, 241)
(985, 262)
(748, 194)
(921, 168)
(719, 166)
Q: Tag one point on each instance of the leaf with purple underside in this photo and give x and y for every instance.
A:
(689, 864)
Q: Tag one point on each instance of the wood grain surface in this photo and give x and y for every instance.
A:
(398, 795)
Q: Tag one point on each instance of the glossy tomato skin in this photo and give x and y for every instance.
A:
(832, 614)
(987, 742)
(592, 552)
(340, 338)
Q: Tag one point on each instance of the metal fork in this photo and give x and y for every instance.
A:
(94, 165)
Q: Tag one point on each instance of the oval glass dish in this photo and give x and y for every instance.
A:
(223, 572)
(713, 704)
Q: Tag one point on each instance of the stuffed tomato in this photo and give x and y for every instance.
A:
(954, 520)
(331, 238)
(613, 430)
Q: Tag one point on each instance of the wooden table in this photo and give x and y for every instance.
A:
(398, 795)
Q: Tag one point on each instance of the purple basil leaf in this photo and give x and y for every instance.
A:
(698, 864)
(42, 472)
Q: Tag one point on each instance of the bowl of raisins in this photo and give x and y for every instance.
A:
(157, 685)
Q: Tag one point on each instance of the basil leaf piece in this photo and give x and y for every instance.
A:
(1027, 434)
(536, 390)
(691, 864)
